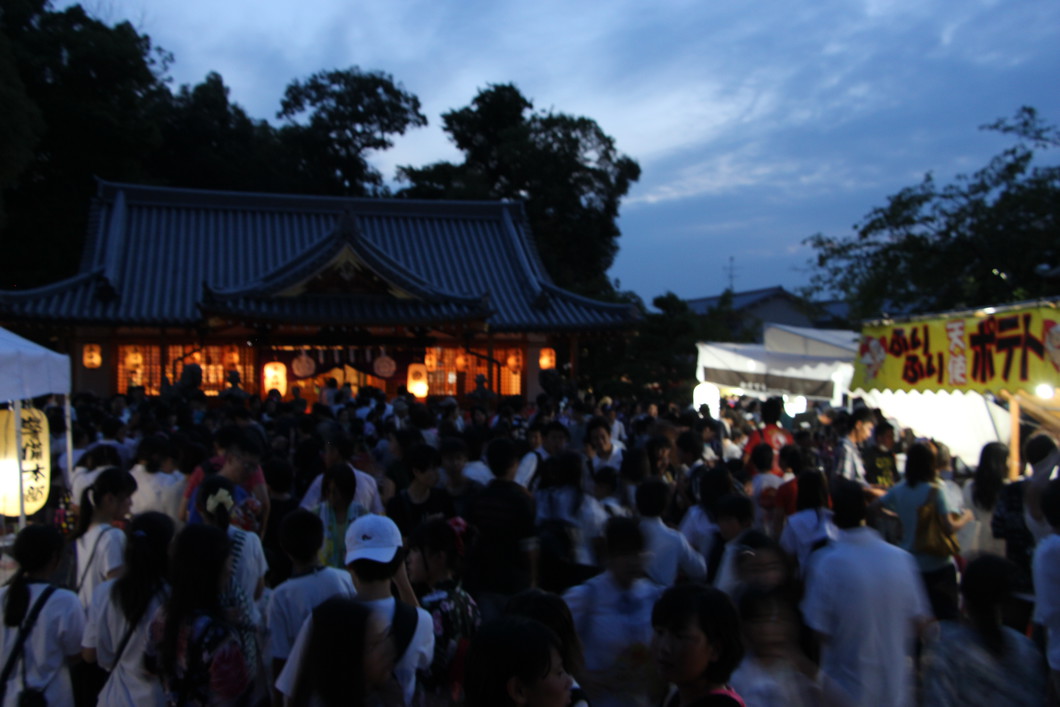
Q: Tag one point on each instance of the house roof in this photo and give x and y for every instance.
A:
(740, 300)
(165, 256)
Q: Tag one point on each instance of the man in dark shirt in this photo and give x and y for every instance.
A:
(503, 561)
(422, 500)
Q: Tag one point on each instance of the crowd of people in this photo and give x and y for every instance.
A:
(356, 549)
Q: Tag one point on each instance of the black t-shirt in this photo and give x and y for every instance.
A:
(503, 515)
(407, 514)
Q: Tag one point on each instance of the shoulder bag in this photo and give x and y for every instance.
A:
(931, 537)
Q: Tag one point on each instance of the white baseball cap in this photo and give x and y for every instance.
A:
(372, 537)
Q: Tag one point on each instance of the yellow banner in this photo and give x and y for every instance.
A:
(1012, 350)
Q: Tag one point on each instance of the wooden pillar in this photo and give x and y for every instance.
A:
(489, 362)
(1014, 443)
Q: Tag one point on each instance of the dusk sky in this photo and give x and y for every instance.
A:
(756, 123)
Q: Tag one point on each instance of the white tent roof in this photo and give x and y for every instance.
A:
(836, 343)
(28, 370)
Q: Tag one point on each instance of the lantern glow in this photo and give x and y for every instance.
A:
(275, 374)
(430, 359)
(515, 361)
(417, 380)
(36, 462)
(546, 361)
(91, 356)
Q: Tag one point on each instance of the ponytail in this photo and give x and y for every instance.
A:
(35, 547)
(111, 480)
(215, 499)
(146, 563)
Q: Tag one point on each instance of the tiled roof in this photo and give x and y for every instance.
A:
(163, 256)
(740, 300)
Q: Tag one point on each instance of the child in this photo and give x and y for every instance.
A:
(101, 546)
(422, 499)
(516, 661)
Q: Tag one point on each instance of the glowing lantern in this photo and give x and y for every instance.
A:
(461, 362)
(515, 361)
(430, 359)
(231, 357)
(417, 381)
(547, 359)
(275, 374)
(134, 358)
(36, 462)
(91, 356)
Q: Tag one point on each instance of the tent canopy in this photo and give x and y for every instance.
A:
(30, 370)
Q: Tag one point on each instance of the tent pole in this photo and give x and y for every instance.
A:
(1014, 441)
(18, 451)
(68, 472)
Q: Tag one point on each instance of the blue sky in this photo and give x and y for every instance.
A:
(756, 123)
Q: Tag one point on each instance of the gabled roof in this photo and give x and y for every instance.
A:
(165, 256)
(740, 300)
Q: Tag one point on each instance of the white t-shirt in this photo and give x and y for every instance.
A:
(151, 488)
(804, 529)
(866, 597)
(129, 682)
(417, 656)
(251, 566)
(670, 552)
(93, 567)
(558, 504)
(1046, 568)
(56, 635)
(366, 493)
(81, 479)
(296, 598)
(699, 530)
(478, 471)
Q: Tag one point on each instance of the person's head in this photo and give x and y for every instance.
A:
(990, 474)
(598, 435)
(435, 550)
(652, 497)
(502, 458)
(103, 455)
(861, 424)
(660, 449)
(454, 456)
(813, 491)
(516, 661)
(884, 435)
(373, 549)
(762, 458)
(146, 566)
(770, 621)
(771, 410)
(714, 484)
(301, 536)
(790, 459)
(37, 550)
(761, 563)
(279, 475)
(848, 504)
(943, 458)
(242, 454)
(109, 498)
(215, 499)
(624, 543)
(156, 454)
(733, 514)
(568, 469)
(423, 461)
(339, 487)
(986, 584)
(198, 571)
(636, 466)
(605, 482)
(1051, 504)
(1038, 448)
(338, 449)
(920, 464)
(553, 612)
(349, 654)
(697, 636)
(555, 437)
(690, 447)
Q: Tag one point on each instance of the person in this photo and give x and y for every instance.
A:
(155, 473)
(1043, 455)
(849, 463)
(503, 559)
(422, 499)
(349, 655)
(771, 434)
(905, 499)
(1046, 571)
(570, 523)
(99, 545)
(599, 447)
(811, 525)
(240, 463)
(191, 643)
(337, 512)
(670, 552)
(435, 552)
(55, 636)
(699, 525)
(881, 466)
(611, 613)
(311, 583)
(981, 496)
(462, 489)
(764, 485)
(516, 661)
(696, 645)
(341, 449)
(978, 660)
(116, 630)
(860, 587)
(376, 563)
(553, 612)
(735, 517)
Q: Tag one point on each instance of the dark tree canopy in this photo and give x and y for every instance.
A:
(978, 241)
(565, 168)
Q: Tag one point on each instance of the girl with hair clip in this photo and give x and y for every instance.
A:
(515, 662)
(54, 637)
(215, 500)
(435, 553)
(349, 655)
(100, 546)
(191, 644)
(553, 612)
(121, 612)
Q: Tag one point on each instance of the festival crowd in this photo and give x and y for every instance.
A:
(355, 549)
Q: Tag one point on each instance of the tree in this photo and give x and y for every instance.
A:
(335, 118)
(564, 168)
(974, 242)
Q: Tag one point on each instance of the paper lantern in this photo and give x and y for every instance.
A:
(461, 362)
(417, 380)
(91, 356)
(275, 374)
(134, 358)
(515, 361)
(430, 359)
(36, 462)
(547, 359)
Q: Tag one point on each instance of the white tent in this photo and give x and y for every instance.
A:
(28, 370)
